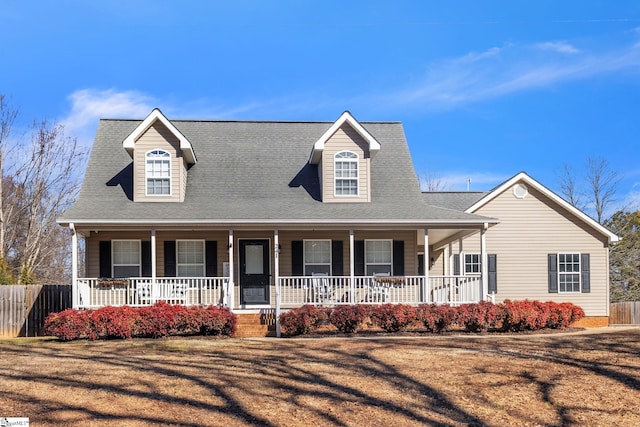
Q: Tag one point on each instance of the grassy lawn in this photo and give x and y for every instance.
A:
(590, 378)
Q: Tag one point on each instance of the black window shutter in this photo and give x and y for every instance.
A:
(358, 256)
(297, 258)
(398, 258)
(585, 272)
(553, 273)
(105, 258)
(169, 258)
(492, 275)
(456, 264)
(337, 268)
(420, 264)
(211, 258)
(146, 258)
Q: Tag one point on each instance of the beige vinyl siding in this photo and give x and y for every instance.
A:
(345, 139)
(409, 237)
(529, 230)
(158, 137)
(93, 246)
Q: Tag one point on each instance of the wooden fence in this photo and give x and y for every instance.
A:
(624, 313)
(24, 308)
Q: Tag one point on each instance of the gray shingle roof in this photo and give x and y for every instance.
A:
(253, 172)
(456, 200)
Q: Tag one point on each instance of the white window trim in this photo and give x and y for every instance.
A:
(114, 265)
(204, 257)
(390, 264)
(146, 173)
(463, 257)
(357, 178)
(579, 272)
(304, 255)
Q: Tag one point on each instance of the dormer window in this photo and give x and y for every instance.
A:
(346, 173)
(158, 173)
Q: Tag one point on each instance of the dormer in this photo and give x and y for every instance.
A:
(161, 157)
(343, 155)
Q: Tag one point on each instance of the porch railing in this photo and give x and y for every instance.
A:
(141, 291)
(295, 291)
(337, 290)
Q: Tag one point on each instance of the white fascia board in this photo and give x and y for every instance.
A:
(346, 117)
(295, 222)
(522, 176)
(129, 142)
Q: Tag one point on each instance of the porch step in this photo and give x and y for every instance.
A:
(256, 325)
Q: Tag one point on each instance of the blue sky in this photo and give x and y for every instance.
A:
(485, 89)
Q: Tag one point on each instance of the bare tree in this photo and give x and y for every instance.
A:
(7, 118)
(42, 186)
(603, 183)
(431, 181)
(569, 187)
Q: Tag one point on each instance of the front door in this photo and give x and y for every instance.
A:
(254, 271)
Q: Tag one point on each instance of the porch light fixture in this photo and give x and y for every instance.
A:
(433, 261)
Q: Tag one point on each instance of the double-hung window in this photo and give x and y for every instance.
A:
(126, 256)
(317, 257)
(190, 258)
(158, 170)
(569, 272)
(346, 173)
(471, 264)
(378, 257)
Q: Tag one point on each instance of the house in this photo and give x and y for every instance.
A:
(263, 216)
(563, 252)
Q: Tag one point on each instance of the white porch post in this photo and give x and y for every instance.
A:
(276, 275)
(426, 288)
(483, 263)
(351, 267)
(75, 300)
(230, 286)
(154, 291)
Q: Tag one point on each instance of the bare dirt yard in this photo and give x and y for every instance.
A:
(588, 378)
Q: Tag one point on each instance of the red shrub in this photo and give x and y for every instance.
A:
(524, 315)
(68, 325)
(562, 315)
(393, 317)
(349, 318)
(303, 320)
(436, 318)
(158, 320)
(479, 317)
(218, 321)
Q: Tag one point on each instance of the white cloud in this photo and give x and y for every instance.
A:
(559, 47)
(512, 68)
(90, 105)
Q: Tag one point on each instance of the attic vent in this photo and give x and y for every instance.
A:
(520, 191)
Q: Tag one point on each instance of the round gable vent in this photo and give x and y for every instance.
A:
(520, 191)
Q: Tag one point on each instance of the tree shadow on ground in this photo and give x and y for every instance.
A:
(189, 382)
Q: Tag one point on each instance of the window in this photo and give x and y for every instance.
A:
(378, 256)
(346, 173)
(158, 173)
(569, 272)
(317, 257)
(471, 263)
(126, 258)
(190, 258)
